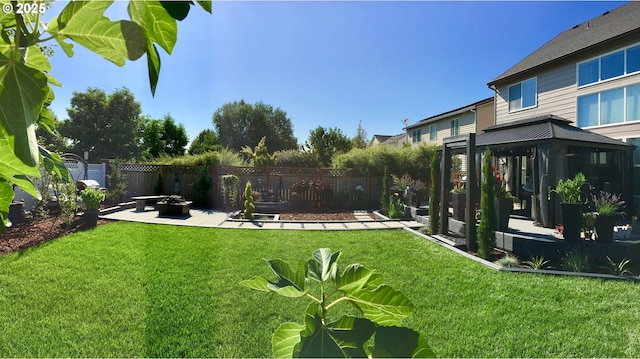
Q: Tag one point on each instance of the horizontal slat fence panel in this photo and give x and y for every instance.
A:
(344, 183)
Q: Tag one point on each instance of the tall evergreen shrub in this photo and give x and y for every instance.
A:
(434, 195)
(384, 198)
(488, 221)
(249, 207)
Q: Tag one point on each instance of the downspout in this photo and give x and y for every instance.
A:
(495, 101)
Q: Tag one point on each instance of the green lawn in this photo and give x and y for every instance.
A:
(137, 290)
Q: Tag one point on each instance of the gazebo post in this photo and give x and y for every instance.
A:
(470, 218)
(445, 188)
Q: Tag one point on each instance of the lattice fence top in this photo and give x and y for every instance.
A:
(310, 172)
(139, 167)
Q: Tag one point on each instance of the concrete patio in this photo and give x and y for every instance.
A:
(220, 219)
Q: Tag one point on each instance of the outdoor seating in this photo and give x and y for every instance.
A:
(141, 201)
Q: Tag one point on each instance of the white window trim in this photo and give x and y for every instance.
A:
(624, 104)
(599, 58)
(535, 104)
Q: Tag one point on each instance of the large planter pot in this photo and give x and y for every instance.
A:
(604, 228)
(458, 203)
(91, 217)
(16, 212)
(503, 207)
(571, 221)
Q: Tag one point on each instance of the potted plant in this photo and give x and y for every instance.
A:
(607, 206)
(570, 192)
(458, 196)
(92, 197)
(588, 222)
(503, 202)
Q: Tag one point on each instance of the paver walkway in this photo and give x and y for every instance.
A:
(211, 218)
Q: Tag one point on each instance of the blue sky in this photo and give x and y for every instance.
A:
(330, 63)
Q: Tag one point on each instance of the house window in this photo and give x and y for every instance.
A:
(633, 59)
(415, 136)
(455, 127)
(523, 95)
(433, 133)
(609, 107)
(612, 106)
(612, 65)
(633, 103)
(616, 64)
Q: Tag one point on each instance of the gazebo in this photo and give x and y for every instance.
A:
(537, 152)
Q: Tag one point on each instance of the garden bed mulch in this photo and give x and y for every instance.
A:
(39, 230)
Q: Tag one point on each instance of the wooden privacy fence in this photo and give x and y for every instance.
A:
(349, 188)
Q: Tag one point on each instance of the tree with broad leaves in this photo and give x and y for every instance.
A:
(205, 141)
(107, 126)
(24, 71)
(325, 143)
(240, 124)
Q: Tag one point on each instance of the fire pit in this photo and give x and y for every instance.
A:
(174, 206)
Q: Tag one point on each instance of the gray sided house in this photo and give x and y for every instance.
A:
(470, 118)
(587, 77)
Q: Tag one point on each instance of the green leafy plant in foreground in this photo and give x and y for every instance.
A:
(377, 334)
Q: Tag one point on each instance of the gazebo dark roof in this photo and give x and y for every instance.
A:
(542, 128)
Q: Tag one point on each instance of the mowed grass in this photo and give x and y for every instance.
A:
(139, 290)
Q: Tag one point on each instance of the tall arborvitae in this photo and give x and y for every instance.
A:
(434, 195)
(384, 198)
(487, 227)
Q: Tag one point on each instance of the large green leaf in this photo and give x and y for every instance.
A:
(53, 29)
(382, 305)
(158, 25)
(37, 60)
(322, 263)
(285, 339)
(287, 276)
(6, 196)
(289, 283)
(343, 338)
(177, 9)
(399, 342)
(23, 91)
(356, 277)
(116, 41)
(206, 5)
(53, 163)
(153, 66)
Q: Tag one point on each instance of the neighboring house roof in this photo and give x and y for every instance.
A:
(609, 26)
(393, 139)
(541, 128)
(380, 138)
(454, 112)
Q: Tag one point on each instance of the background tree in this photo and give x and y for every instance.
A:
(174, 136)
(153, 143)
(240, 124)
(325, 143)
(164, 137)
(106, 126)
(360, 140)
(205, 141)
